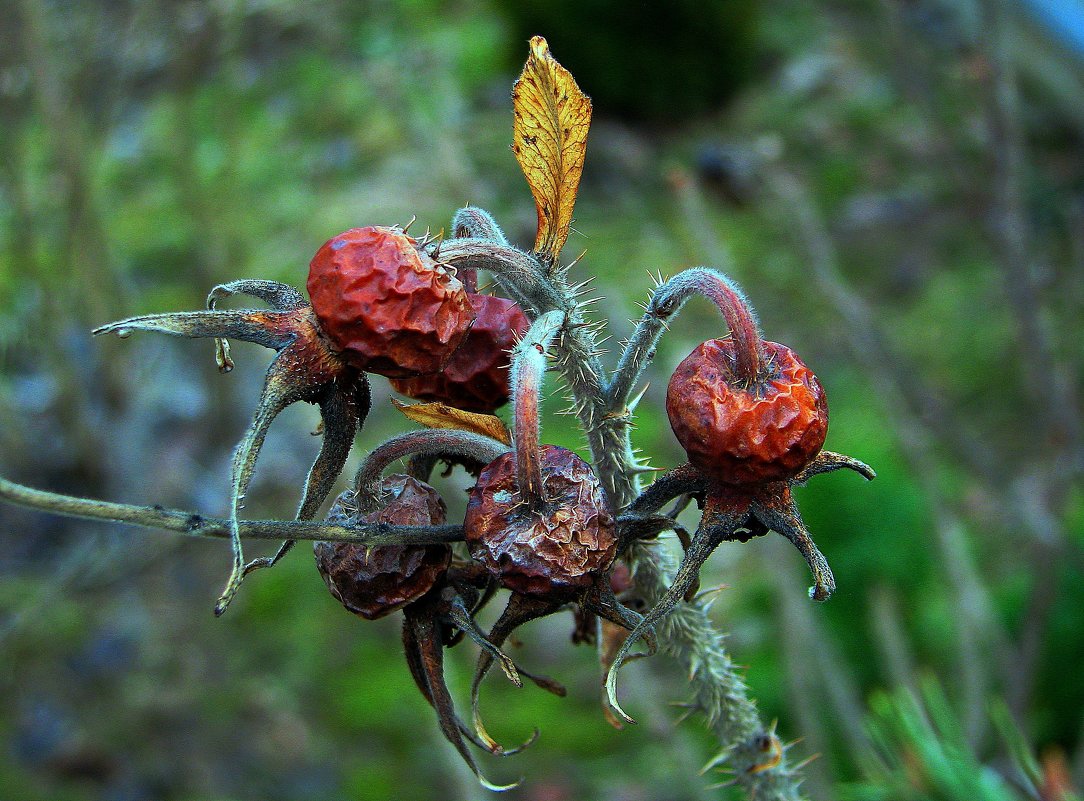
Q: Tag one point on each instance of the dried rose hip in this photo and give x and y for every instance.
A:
(377, 580)
(385, 305)
(556, 550)
(476, 376)
(740, 431)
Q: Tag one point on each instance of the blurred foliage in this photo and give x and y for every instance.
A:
(652, 64)
(151, 150)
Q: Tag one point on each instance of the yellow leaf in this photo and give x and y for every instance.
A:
(551, 120)
(441, 415)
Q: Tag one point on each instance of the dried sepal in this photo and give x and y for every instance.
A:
(305, 369)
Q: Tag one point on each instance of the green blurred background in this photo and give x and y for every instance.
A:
(899, 187)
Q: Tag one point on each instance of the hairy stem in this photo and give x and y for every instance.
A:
(521, 275)
(429, 441)
(528, 369)
(665, 303)
(718, 691)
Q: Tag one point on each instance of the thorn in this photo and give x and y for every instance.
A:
(646, 469)
(722, 785)
(709, 596)
(694, 667)
(405, 228)
(715, 761)
(575, 261)
(684, 716)
(632, 404)
(805, 762)
(435, 255)
(575, 290)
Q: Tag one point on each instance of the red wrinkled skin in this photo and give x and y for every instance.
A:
(385, 305)
(553, 553)
(475, 378)
(746, 436)
(376, 581)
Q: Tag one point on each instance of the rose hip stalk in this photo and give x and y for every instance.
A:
(752, 419)
(537, 519)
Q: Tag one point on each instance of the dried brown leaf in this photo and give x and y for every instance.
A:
(551, 120)
(441, 415)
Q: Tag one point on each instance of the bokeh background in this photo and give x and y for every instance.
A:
(898, 185)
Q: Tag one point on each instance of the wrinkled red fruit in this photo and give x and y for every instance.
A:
(476, 377)
(554, 552)
(385, 305)
(374, 582)
(739, 433)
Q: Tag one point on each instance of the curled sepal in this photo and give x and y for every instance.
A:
(601, 600)
(271, 329)
(427, 663)
(278, 393)
(721, 526)
(342, 414)
(520, 609)
(463, 619)
(781, 515)
(417, 668)
(305, 369)
(827, 462)
(281, 297)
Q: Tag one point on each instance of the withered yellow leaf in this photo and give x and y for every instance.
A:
(551, 120)
(441, 415)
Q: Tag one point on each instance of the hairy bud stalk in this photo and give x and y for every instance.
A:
(528, 369)
(430, 442)
(665, 303)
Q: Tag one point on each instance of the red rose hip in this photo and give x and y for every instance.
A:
(475, 378)
(744, 432)
(385, 305)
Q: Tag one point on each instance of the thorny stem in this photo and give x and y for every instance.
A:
(196, 525)
(528, 369)
(717, 688)
(430, 441)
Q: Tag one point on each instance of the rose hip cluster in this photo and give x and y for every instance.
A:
(751, 416)
(539, 523)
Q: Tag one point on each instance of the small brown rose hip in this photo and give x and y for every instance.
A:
(555, 551)
(385, 305)
(376, 581)
(742, 432)
(475, 378)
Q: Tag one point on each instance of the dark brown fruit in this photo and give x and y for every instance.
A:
(739, 432)
(476, 376)
(554, 552)
(385, 305)
(374, 582)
